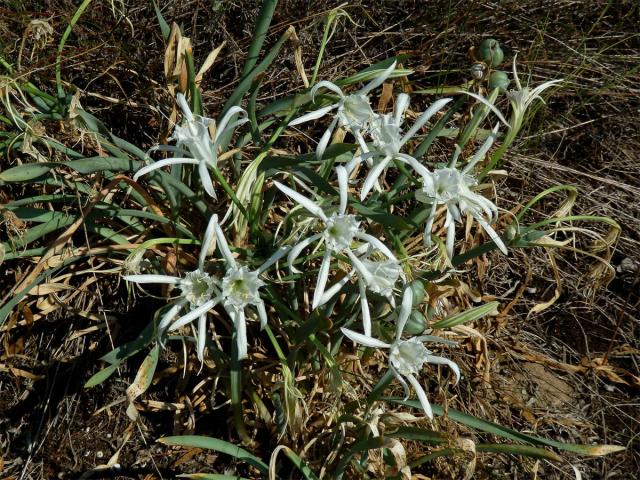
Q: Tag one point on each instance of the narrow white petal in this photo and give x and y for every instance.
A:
(424, 118)
(403, 382)
(163, 163)
(202, 336)
(184, 106)
(492, 233)
(326, 137)
(422, 396)
(488, 104)
(415, 164)
(262, 314)
(277, 255)
(232, 112)
(445, 361)
(405, 311)
(402, 103)
(343, 188)
(335, 288)
(149, 278)
(193, 314)
(364, 339)
(329, 86)
(364, 306)
(313, 115)
(451, 237)
(374, 242)
(323, 275)
(373, 176)
(169, 316)
(205, 178)
(379, 80)
(429, 226)
(479, 155)
(359, 266)
(310, 205)
(241, 333)
(224, 247)
(297, 249)
(207, 240)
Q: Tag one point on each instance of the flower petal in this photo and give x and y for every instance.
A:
(364, 339)
(313, 115)
(479, 155)
(445, 361)
(202, 336)
(326, 137)
(343, 183)
(184, 106)
(207, 240)
(193, 314)
(422, 396)
(335, 288)
(232, 112)
(169, 316)
(329, 86)
(323, 275)
(148, 278)
(374, 242)
(405, 311)
(262, 314)
(163, 163)
(492, 233)
(224, 247)
(310, 205)
(424, 118)
(488, 104)
(364, 306)
(277, 255)
(241, 333)
(297, 249)
(379, 80)
(373, 176)
(402, 103)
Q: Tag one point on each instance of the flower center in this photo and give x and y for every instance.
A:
(449, 184)
(195, 138)
(355, 112)
(240, 287)
(197, 287)
(408, 356)
(386, 134)
(384, 275)
(339, 231)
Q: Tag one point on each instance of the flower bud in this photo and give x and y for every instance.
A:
(478, 70)
(490, 52)
(416, 324)
(498, 79)
(417, 289)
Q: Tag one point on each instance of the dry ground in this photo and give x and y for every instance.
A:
(547, 372)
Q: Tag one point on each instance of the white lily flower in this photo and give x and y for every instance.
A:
(381, 276)
(240, 289)
(353, 112)
(452, 187)
(200, 292)
(339, 232)
(407, 357)
(194, 144)
(388, 140)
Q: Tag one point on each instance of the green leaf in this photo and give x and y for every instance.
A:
(361, 446)
(143, 339)
(504, 432)
(524, 450)
(419, 434)
(467, 316)
(198, 441)
(25, 172)
(101, 376)
(298, 462)
(164, 26)
(259, 34)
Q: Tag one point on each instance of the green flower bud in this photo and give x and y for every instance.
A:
(416, 324)
(498, 79)
(490, 52)
(417, 288)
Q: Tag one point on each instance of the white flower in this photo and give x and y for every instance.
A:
(388, 140)
(199, 293)
(407, 357)
(339, 232)
(379, 276)
(194, 144)
(353, 112)
(240, 288)
(452, 187)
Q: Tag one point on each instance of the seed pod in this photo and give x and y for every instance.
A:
(417, 288)
(498, 79)
(478, 70)
(416, 324)
(490, 52)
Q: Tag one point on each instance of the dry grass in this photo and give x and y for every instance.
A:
(569, 372)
